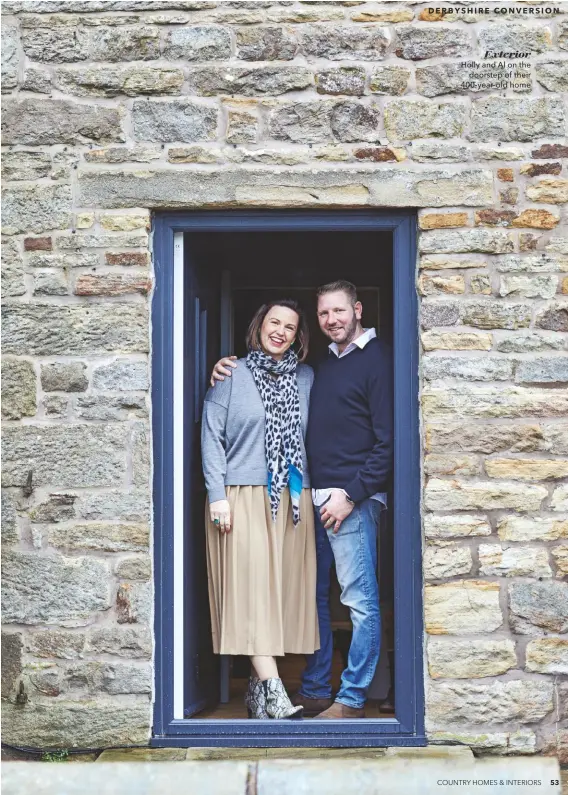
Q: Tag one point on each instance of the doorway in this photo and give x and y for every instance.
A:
(225, 265)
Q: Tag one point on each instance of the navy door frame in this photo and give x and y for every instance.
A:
(407, 728)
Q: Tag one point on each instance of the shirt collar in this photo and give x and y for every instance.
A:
(367, 335)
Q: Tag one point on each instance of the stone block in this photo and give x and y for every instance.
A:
(441, 526)
(126, 506)
(479, 368)
(389, 80)
(553, 75)
(35, 208)
(498, 561)
(40, 122)
(121, 375)
(425, 151)
(527, 468)
(111, 408)
(483, 438)
(446, 561)
(128, 259)
(64, 645)
(266, 43)
(480, 284)
(110, 81)
(351, 121)
(453, 495)
(140, 454)
(302, 122)
(537, 169)
(464, 241)
(134, 603)
(123, 154)
(518, 700)
(515, 36)
(560, 557)
(64, 377)
(451, 464)
(553, 370)
(548, 656)
(55, 43)
(50, 283)
(51, 259)
(556, 436)
(55, 406)
(10, 56)
(112, 284)
(11, 662)
(341, 80)
(462, 607)
(496, 315)
(540, 286)
(25, 164)
(242, 127)
(382, 15)
(531, 528)
(75, 329)
(18, 389)
(104, 537)
(198, 43)
(488, 401)
(64, 456)
(470, 659)
(559, 499)
(456, 341)
(53, 589)
(121, 641)
(56, 508)
(513, 119)
(527, 240)
(104, 677)
(439, 313)
(418, 43)
(37, 80)
(248, 82)
(13, 283)
(442, 220)
(9, 529)
(549, 191)
(437, 262)
(439, 284)
(345, 42)
(406, 119)
(113, 222)
(124, 43)
(173, 120)
(135, 568)
(553, 317)
(542, 605)
(536, 263)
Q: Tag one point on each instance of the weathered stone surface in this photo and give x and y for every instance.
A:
(124, 43)
(58, 643)
(193, 154)
(64, 377)
(513, 263)
(439, 313)
(463, 241)
(494, 314)
(462, 607)
(9, 530)
(65, 456)
(135, 259)
(442, 220)
(174, 120)
(554, 317)
(352, 121)
(13, 283)
(121, 374)
(50, 283)
(558, 245)
(451, 464)
(38, 244)
(39, 122)
(55, 44)
(75, 330)
(18, 389)
(444, 78)
(510, 196)
(556, 436)
(37, 80)
(390, 80)
(534, 528)
(515, 36)
(488, 401)
(84, 724)
(103, 677)
(480, 368)
(417, 43)
(54, 589)
(109, 407)
(24, 164)
(521, 742)
(341, 80)
(512, 119)
(121, 641)
(113, 222)
(446, 561)
(107, 537)
(345, 43)
(537, 169)
(457, 526)
(123, 154)
(456, 341)
(198, 43)
(111, 81)
(266, 43)
(465, 659)
(126, 506)
(538, 604)
(553, 74)
(112, 284)
(453, 495)
(248, 82)
(528, 286)
(550, 191)
(439, 284)
(135, 568)
(406, 119)
(134, 603)
(548, 656)
(10, 56)
(41, 259)
(307, 122)
(11, 662)
(484, 438)
(57, 508)
(242, 127)
(35, 208)
(140, 454)
(559, 499)
(560, 557)
(424, 151)
(522, 700)
(480, 284)
(55, 406)
(496, 561)
(527, 468)
(382, 15)
(553, 370)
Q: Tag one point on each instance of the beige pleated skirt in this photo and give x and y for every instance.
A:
(262, 576)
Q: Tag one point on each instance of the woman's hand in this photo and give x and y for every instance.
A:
(221, 369)
(220, 514)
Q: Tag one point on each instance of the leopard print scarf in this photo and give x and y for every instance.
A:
(283, 434)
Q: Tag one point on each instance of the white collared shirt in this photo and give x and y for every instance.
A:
(319, 496)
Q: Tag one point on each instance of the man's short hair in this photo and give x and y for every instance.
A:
(341, 285)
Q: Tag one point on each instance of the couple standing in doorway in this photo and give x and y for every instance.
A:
(296, 467)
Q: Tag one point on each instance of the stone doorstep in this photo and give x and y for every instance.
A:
(388, 775)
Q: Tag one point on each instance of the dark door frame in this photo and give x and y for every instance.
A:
(407, 728)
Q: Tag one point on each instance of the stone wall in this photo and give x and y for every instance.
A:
(116, 109)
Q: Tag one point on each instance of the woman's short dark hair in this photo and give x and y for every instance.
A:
(302, 334)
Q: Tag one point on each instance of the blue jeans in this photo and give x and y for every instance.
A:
(354, 548)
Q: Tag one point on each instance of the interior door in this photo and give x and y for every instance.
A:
(201, 347)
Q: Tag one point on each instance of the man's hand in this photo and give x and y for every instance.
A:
(221, 369)
(220, 515)
(335, 510)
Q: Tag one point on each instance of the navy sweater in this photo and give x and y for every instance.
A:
(350, 434)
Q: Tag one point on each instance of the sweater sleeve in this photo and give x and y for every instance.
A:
(373, 475)
(213, 439)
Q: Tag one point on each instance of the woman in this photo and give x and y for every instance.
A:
(259, 517)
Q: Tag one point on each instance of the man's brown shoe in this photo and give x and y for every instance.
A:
(312, 706)
(338, 711)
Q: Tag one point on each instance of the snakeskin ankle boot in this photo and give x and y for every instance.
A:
(255, 700)
(278, 705)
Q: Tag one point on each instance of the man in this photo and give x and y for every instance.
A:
(349, 447)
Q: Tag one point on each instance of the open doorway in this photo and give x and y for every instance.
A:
(231, 274)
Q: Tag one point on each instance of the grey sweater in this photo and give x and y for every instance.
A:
(232, 432)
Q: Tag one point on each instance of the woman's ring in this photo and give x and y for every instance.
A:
(216, 521)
